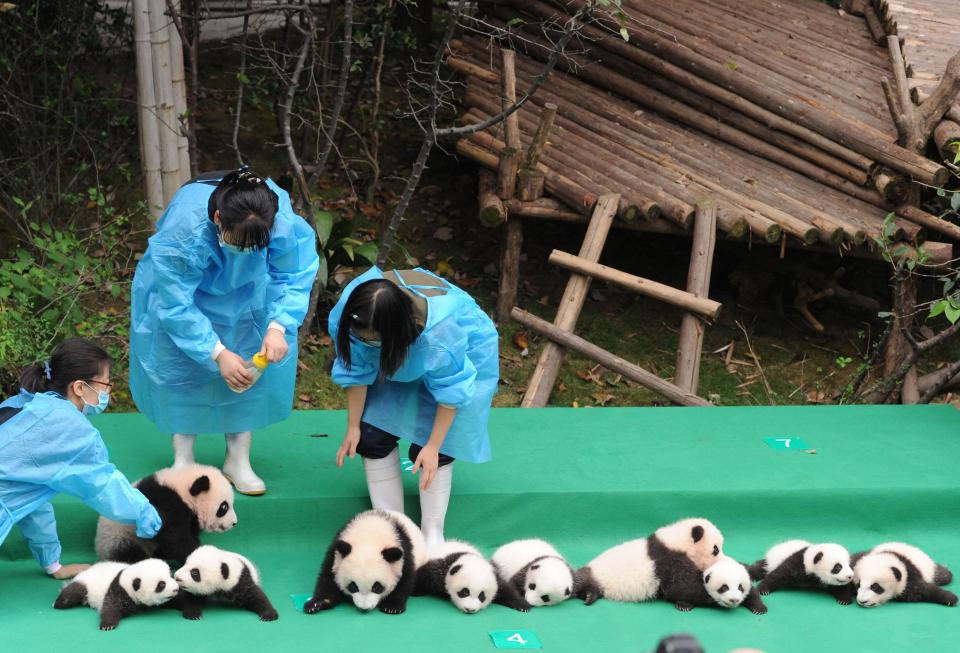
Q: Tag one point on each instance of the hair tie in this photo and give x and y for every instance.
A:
(355, 316)
(47, 372)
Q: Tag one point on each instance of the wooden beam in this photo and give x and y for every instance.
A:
(509, 268)
(563, 338)
(574, 295)
(688, 301)
(690, 343)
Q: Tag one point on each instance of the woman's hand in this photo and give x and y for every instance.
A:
(68, 571)
(349, 445)
(428, 460)
(234, 370)
(274, 346)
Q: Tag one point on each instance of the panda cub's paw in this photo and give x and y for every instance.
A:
(951, 601)
(192, 615)
(393, 609)
(684, 607)
(108, 626)
(759, 609)
(844, 601)
(269, 615)
(315, 605)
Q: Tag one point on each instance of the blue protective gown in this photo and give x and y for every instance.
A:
(50, 447)
(454, 362)
(188, 292)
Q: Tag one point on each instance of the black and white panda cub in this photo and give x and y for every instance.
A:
(459, 572)
(800, 564)
(725, 583)
(117, 590)
(214, 574)
(536, 570)
(189, 499)
(895, 571)
(632, 571)
(372, 560)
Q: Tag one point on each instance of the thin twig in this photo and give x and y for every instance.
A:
(756, 359)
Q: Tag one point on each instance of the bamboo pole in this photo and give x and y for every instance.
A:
(149, 133)
(690, 343)
(574, 295)
(612, 362)
(179, 82)
(160, 50)
(686, 300)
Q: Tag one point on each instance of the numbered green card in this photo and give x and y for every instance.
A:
(515, 639)
(787, 443)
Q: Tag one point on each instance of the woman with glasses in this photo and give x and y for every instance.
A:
(419, 360)
(48, 446)
(227, 275)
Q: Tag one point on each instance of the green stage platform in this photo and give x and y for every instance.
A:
(585, 479)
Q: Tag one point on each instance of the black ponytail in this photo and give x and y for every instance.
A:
(72, 360)
(247, 209)
(379, 304)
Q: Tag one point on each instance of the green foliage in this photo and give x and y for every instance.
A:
(339, 242)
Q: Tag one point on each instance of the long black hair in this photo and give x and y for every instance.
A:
(380, 305)
(76, 359)
(247, 209)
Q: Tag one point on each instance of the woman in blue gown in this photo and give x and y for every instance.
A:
(227, 275)
(48, 446)
(420, 362)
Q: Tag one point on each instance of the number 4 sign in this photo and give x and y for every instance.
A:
(515, 639)
(786, 443)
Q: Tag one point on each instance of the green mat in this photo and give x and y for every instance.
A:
(585, 479)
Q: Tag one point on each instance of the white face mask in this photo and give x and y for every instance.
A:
(103, 398)
(229, 247)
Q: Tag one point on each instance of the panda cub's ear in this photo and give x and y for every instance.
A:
(817, 557)
(202, 484)
(225, 570)
(706, 579)
(136, 584)
(697, 533)
(392, 554)
(454, 569)
(343, 548)
(896, 573)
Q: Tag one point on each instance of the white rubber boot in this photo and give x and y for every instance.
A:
(236, 465)
(433, 506)
(384, 481)
(183, 450)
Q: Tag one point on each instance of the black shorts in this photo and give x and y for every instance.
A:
(377, 443)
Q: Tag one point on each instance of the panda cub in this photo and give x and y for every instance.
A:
(895, 571)
(117, 590)
(459, 572)
(725, 583)
(633, 571)
(212, 573)
(189, 499)
(373, 560)
(798, 563)
(536, 571)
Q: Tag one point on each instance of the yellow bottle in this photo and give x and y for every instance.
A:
(255, 367)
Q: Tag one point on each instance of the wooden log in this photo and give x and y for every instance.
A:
(540, 137)
(892, 186)
(507, 171)
(492, 211)
(612, 362)
(686, 300)
(530, 185)
(543, 208)
(469, 68)
(166, 105)
(574, 295)
(854, 7)
(147, 114)
(508, 80)
(690, 342)
(931, 222)
(509, 268)
(947, 137)
(877, 32)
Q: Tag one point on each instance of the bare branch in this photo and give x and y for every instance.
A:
(240, 86)
(341, 89)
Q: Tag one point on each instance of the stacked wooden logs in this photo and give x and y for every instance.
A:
(703, 102)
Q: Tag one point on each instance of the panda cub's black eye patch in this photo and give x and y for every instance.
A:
(836, 568)
(482, 596)
(532, 586)
(377, 588)
(464, 593)
(352, 588)
(195, 575)
(724, 589)
(223, 509)
(566, 592)
(160, 586)
(740, 587)
(716, 550)
(876, 588)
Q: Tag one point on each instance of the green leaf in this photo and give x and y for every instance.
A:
(955, 201)
(349, 250)
(884, 314)
(242, 78)
(369, 252)
(733, 65)
(952, 313)
(624, 34)
(324, 222)
(938, 308)
(515, 21)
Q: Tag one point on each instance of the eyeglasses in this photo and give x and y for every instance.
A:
(103, 383)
